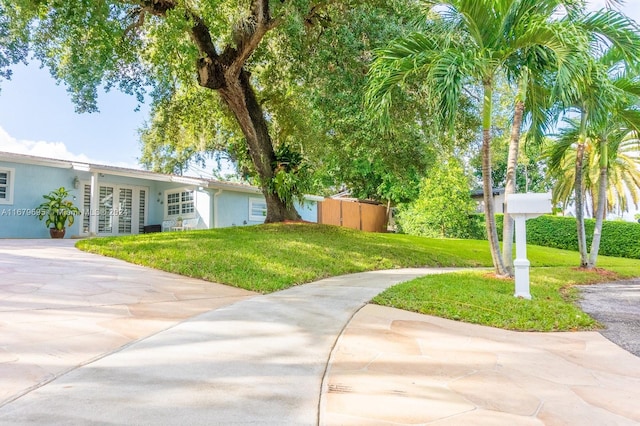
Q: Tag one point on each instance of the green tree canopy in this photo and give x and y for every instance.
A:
(256, 55)
(312, 91)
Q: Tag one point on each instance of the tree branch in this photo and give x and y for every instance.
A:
(202, 37)
(210, 70)
(138, 23)
(158, 7)
(248, 33)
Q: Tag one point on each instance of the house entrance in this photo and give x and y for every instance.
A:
(121, 209)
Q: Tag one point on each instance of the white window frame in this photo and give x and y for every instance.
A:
(256, 218)
(11, 173)
(179, 191)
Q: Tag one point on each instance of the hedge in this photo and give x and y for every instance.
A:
(620, 239)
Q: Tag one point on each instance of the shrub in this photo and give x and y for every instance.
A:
(443, 207)
(620, 239)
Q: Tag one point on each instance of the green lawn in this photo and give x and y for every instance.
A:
(478, 298)
(268, 258)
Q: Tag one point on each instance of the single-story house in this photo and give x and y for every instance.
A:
(121, 201)
(498, 200)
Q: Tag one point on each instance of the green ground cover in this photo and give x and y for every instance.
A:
(268, 258)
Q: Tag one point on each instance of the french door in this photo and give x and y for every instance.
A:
(121, 209)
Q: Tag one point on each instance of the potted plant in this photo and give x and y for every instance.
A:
(57, 211)
(179, 221)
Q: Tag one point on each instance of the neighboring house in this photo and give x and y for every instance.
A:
(119, 201)
(498, 200)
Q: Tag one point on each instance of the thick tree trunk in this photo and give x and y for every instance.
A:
(510, 187)
(601, 210)
(240, 98)
(487, 186)
(225, 74)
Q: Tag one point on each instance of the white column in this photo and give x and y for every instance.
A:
(215, 207)
(95, 205)
(521, 263)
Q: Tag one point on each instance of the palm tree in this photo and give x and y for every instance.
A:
(607, 144)
(536, 99)
(623, 172)
(470, 42)
(611, 167)
(603, 90)
(601, 95)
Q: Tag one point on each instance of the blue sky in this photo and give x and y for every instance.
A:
(37, 117)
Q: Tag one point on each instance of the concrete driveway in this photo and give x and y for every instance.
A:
(60, 308)
(315, 353)
(396, 367)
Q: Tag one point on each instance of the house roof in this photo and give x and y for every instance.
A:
(345, 195)
(126, 172)
(480, 192)
(134, 173)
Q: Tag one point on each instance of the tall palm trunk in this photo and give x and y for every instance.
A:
(601, 210)
(579, 192)
(487, 186)
(512, 164)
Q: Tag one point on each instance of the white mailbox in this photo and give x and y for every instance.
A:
(529, 204)
(522, 207)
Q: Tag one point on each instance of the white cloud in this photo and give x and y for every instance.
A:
(56, 150)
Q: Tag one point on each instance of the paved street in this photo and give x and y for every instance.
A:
(617, 306)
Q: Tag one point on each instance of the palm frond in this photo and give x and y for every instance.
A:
(612, 28)
(393, 65)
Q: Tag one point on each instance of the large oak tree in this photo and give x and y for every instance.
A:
(311, 87)
(166, 49)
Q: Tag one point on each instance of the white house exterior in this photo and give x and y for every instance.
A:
(119, 201)
(497, 196)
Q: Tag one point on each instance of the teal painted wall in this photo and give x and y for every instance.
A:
(154, 202)
(233, 209)
(308, 211)
(31, 182)
(17, 220)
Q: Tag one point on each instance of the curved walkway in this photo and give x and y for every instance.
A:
(262, 359)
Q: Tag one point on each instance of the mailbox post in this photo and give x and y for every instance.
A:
(522, 207)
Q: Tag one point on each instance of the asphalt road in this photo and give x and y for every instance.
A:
(617, 306)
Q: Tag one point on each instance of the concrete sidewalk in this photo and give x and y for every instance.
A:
(263, 359)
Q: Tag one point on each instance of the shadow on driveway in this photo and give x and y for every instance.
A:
(61, 308)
